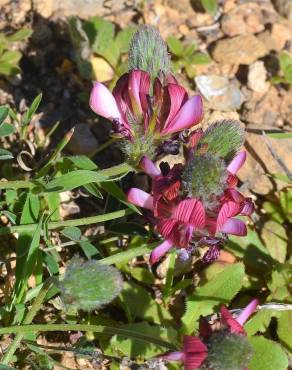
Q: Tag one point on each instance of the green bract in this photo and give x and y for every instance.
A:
(223, 139)
(148, 52)
(227, 351)
(88, 285)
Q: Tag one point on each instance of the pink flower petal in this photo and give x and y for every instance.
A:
(228, 320)
(234, 226)
(229, 209)
(195, 352)
(173, 356)
(177, 97)
(193, 344)
(140, 198)
(139, 85)
(237, 163)
(166, 227)
(189, 115)
(234, 195)
(160, 251)
(190, 211)
(247, 312)
(102, 102)
(149, 167)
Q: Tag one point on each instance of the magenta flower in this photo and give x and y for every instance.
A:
(168, 111)
(196, 349)
(176, 220)
(193, 354)
(182, 221)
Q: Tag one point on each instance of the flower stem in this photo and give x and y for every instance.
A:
(99, 329)
(104, 145)
(28, 319)
(68, 223)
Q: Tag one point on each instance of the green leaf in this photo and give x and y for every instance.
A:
(5, 154)
(279, 284)
(138, 348)
(201, 58)
(6, 129)
(260, 321)
(11, 56)
(284, 329)
(100, 33)
(275, 238)
(123, 39)
(20, 35)
(72, 233)
(3, 113)
(286, 203)
(82, 162)
(215, 292)
(141, 305)
(88, 249)
(285, 60)
(31, 110)
(175, 46)
(253, 252)
(8, 69)
(268, 355)
(73, 180)
(210, 6)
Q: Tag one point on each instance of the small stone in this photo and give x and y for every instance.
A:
(243, 49)
(257, 77)
(244, 19)
(43, 8)
(220, 92)
(284, 7)
(83, 141)
(280, 35)
(260, 163)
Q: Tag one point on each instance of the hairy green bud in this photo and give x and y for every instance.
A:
(88, 285)
(204, 176)
(148, 52)
(228, 351)
(223, 139)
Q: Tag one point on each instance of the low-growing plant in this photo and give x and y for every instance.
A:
(9, 58)
(186, 56)
(100, 50)
(285, 62)
(181, 250)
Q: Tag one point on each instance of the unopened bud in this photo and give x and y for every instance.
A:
(148, 52)
(228, 351)
(204, 176)
(223, 139)
(88, 285)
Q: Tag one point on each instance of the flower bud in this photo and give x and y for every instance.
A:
(88, 285)
(228, 351)
(148, 52)
(204, 176)
(223, 139)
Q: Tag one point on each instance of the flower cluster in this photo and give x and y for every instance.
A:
(143, 119)
(196, 203)
(221, 346)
